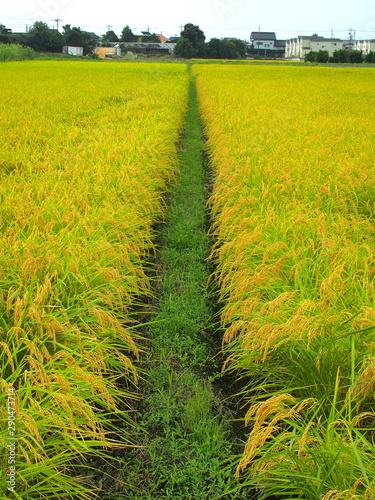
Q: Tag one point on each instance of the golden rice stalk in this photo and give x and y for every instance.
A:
(268, 418)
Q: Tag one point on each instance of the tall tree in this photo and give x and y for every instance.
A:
(184, 49)
(370, 58)
(127, 35)
(104, 41)
(194, 34)
(111, 36)
(240, 47)
(4, 30)
(224, 49)
(43, 39)
(78, 38)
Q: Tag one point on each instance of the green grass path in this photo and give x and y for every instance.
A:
(185, 431)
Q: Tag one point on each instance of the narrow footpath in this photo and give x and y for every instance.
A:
(185, 431)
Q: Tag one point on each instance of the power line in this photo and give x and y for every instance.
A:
(215, 28)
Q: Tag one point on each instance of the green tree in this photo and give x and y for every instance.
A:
(184, 48)
(127, 35)
(153, 38)
(311, 56)
(340, 56)
(111, 36)
(223, 49)
(4, 34)
(43, 39)
(104, 41)
(4, 30)
(370, 57)
(322, 56)
(355, 56)
(194, 34)
(213, 49)
(73, 36)
(228, 50)
(347, 56)
(240, 47)
(78, 38)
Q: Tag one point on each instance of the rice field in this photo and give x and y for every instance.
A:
(293, 203)
(89, 150)
(85, 158)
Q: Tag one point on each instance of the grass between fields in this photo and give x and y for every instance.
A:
(185, 431)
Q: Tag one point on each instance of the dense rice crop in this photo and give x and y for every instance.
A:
(294, 205)
(86, 153)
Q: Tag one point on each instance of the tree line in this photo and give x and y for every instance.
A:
(340, 56)
(44, 39)
(191, 42)
(41, 38)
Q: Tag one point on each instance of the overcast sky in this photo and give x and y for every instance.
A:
(217, 18)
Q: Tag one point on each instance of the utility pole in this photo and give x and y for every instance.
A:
(109, 27)
(57, 22)
(332, 33)
(351, 38)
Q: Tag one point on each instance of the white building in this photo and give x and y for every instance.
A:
(263, 40)
(266, 40)
(297, 48)
(73, 51)
(365, 46)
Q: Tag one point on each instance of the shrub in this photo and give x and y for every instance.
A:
(322, 56)
(15, 52)
(311, 56)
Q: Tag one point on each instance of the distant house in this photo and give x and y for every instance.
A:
(263, 40)
(163, 39)
(144, 34)
(266, 41)
(280, 45)
(73, 51)
(348, 44)
(297, 48)
(365, 46)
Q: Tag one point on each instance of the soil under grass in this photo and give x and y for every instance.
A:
(185, 435)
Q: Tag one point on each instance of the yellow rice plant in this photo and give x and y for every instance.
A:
(293, 205)
(87, 151)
